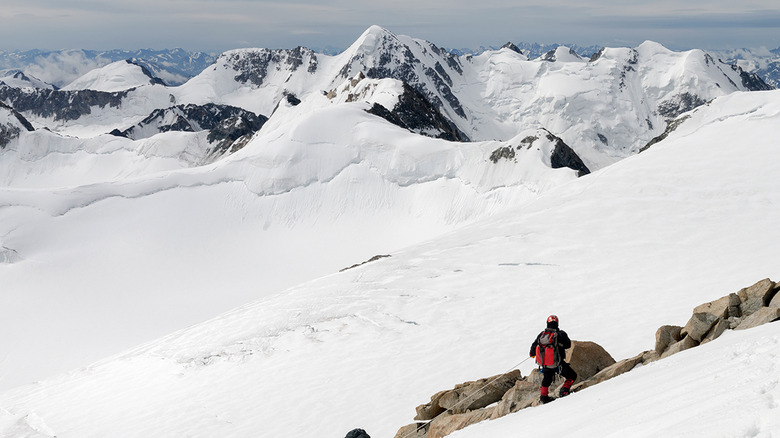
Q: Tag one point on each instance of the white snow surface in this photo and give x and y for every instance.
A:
(322, 186)
(605, 110)
(117, 76)
(614, 254)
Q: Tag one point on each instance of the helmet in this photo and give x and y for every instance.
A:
(552, 318)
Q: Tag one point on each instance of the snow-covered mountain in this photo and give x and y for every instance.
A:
(128, 215)
(117, 76)
(605, 108)
(763, 62)
(62, 67)
(615, 254)
(18, 79)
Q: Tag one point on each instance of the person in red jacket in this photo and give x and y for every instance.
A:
(549, 349)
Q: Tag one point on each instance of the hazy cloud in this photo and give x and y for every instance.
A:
(225, 24)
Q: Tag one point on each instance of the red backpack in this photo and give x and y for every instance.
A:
(547, 354)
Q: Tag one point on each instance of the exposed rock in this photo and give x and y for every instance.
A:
(252, 66)
(670, 127)
(699, 325)
(415, 430)
(474, 395)
(430, 410)
(725, 307)
(446, 424)
(679, 104)
(58, 104)
(759, 317)
(721, 326)
(521, 396)
(564, 156)
(587, 358)
(650, 356)
(511, 46)
(751, 81)
(611, 371)
(227, 125)
(506, 152)
(756, 296)
(416, 113)
(685, 344)
(665, 336)
(11, 130)
(775, 302)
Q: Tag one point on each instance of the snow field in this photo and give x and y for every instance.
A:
(615, 255)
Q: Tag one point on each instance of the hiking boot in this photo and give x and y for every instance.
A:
(564, 391)
(545, 399)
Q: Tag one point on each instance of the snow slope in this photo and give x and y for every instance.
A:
(615, 254)
(606, 108)
(321, 187)
(117, 76)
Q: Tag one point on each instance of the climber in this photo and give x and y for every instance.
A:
(549, 349)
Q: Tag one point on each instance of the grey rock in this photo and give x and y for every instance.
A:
(521, 396)
(699, 325)
(721, 326)
(587, 358)
(756, 296)
(721, 308)
(683, 345)
(415, 430)
(760, 317)
(665, 336)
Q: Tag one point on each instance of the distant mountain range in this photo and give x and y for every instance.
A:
(176, 66)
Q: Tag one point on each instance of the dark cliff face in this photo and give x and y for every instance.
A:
(58, 104)
(564, 156)
(416, 113)
(153, 80)
(393, 59)
(226, 124)
(252, 66)
(12, 130)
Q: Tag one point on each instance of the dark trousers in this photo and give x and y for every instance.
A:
(549, 373)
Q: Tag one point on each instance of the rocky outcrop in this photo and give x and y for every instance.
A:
(497, 396)
(230, 128)
(59, 104)
(679, 104)
(416, 113)
(473, 402)
(252, 66)
(564, 156)
(11, 125)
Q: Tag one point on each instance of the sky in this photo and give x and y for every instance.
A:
(218, 25)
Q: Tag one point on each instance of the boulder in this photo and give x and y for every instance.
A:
(665, 336)
(685, 344)
(430, 410)
(721, 326)
(698, 326)
(775, 301)
(721, 308)
(469, 396)
(446, 424)
(521, 396)
(587, 358)
(759, 317)
(415, 430)
(650, 356)
(756, 296)
(611, 371)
